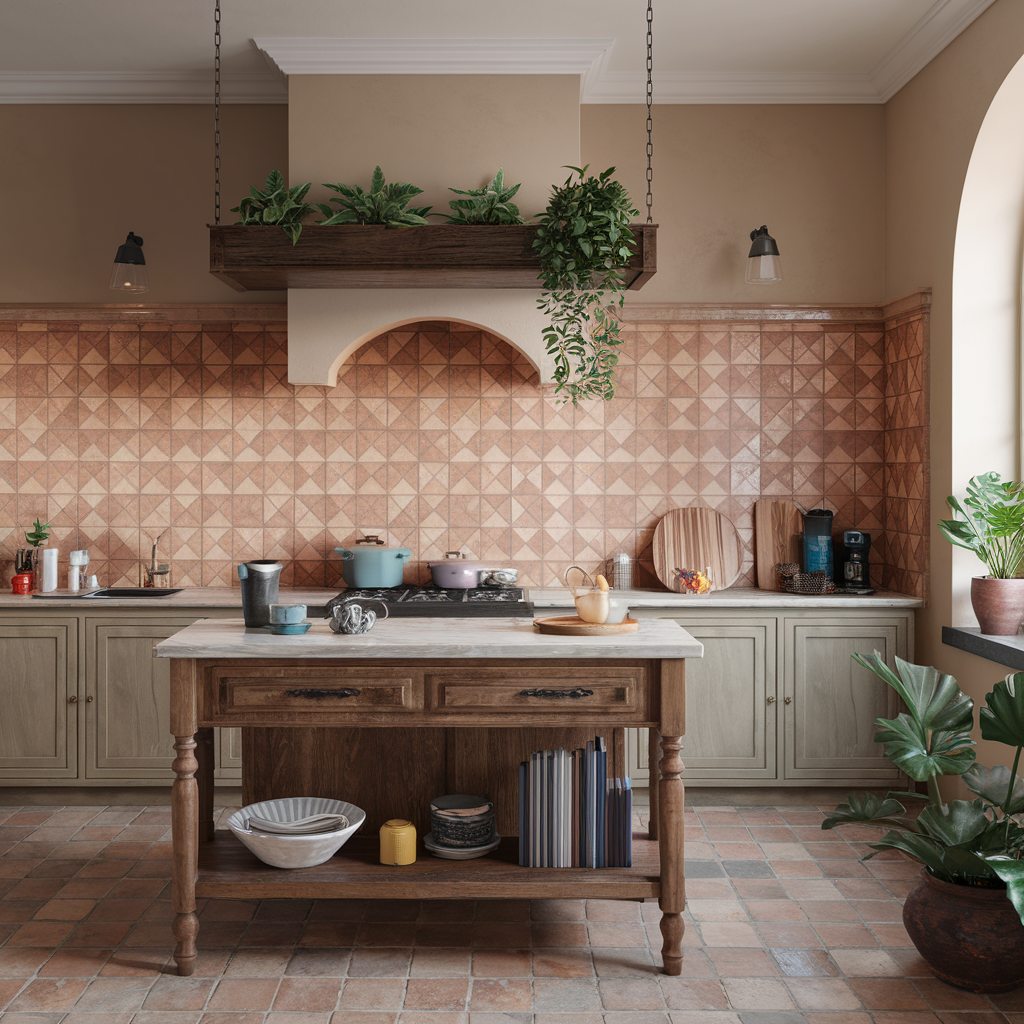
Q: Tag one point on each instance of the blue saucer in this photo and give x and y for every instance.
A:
(289, 628)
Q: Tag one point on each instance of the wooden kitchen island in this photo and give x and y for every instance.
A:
(405, 713)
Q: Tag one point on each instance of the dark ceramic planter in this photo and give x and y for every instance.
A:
(970, 937)
(998, 604)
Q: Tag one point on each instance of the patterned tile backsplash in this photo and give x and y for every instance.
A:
(442, 437)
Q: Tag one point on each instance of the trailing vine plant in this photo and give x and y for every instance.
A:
(585, 243)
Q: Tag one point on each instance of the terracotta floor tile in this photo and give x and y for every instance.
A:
(728, 933)
(774, 910)
(757, 994)
(566, 995)
(66, 910)
(506, 963)
(616, 933)
(118, 995)
(238, 994)
(631, 994)
(804, 963)
(260, 963)
(178, 994)
(329, 962)
(887, 994)
(500, 994)
(694, 994)
(309, 994)
(823, 994)
(80, 962)
(743, 963)
(49, 994)
(788, 935)
(41, 933)
(449, 994)
(379, 962)
(891, 934)
(548, 933)
(563, 963)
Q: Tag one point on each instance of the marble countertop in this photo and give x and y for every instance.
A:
(427, 638)
(542, 597)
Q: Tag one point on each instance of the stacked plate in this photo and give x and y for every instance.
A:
(462, 827)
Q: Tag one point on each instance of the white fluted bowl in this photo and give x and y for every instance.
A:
(295, 851)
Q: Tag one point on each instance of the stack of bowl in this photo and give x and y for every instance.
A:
(461, 827)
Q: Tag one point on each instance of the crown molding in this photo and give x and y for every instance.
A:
(587, 57)
(926, 40)
(137, 87)
(312, 56)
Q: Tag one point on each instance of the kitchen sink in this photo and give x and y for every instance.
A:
(112, 592)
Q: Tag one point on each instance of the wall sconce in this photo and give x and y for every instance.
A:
(764, 264)
(129, 273)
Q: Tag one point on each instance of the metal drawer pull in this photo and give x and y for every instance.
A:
(771, 700)
(320, 694)
(573, 694)
(89, 700)
(789, 700)
(72, 700)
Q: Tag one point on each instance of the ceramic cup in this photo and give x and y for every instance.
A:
(616, 611)
(287, 614)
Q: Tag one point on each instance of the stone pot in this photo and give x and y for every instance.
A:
(969, 936)
(998, 604)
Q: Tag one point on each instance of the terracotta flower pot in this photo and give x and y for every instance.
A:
(969, 936)
(998, 604)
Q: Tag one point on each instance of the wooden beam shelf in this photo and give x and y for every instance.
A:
(369, 256)
(227, 870)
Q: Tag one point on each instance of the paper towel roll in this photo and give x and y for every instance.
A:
(49, 561)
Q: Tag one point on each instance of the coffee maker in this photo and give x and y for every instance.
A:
(856, 575)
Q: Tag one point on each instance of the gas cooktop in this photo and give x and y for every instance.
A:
(410, 600)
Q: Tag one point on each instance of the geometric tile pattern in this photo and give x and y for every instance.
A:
(441, 437)
(784, 925)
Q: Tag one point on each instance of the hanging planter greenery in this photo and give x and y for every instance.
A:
(585, 244)
(276, 204)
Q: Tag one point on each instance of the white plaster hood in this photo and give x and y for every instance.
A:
(436, 128)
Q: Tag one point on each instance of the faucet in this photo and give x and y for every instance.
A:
(157, 575)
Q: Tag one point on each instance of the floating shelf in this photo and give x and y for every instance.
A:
(227, 870)
(364, 256)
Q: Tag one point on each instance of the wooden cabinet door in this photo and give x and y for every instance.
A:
(730, 723)
(128, 735)
(832, 703)
(39, 700)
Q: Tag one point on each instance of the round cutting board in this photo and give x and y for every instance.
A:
(697, 538)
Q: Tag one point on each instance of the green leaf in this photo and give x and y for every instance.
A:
(1012, 873)
(958, 823)
(992, 785)
(921, 757)
(863, 807)
(950, 865)
(1002, 719)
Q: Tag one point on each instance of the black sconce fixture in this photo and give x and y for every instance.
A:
(129, 273)
(763, 265)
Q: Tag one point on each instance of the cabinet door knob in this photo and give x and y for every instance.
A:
(789, 700)
(72, 700)
(89, 699)
(771, 700)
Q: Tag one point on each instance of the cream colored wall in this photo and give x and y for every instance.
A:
(78, 178)
(931, 127)
(437, 131)
(813, 174)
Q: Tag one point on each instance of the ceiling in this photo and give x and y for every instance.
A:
(720, 51)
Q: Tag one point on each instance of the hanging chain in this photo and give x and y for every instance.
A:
(216, 112)
(650, 100)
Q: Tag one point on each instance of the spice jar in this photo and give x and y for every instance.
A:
(23, 582)
(398, 842)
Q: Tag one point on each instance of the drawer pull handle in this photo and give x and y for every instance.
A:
(573, 694)
(771, 700)
(72, 700)
(320, 694)
(789, 700)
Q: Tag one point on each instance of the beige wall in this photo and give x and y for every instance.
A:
(931, 126)
(437, 131)
(813, 174)
(77, 179)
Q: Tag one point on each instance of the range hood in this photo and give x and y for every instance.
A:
(447, 128)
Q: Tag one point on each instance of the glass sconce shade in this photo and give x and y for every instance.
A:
(129, 273)
(764, 265)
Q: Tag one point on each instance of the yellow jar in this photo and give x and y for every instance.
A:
(398, 842)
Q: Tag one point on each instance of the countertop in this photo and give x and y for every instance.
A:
(542, 597)
(427, 638)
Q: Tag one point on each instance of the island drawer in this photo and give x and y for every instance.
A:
(243, 697)
(622, 692)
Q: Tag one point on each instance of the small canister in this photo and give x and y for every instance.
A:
(23, 582)
(398, 842)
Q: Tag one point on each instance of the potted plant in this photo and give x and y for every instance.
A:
(276, 204)
(584, 244)
(383, 204)
(965, 917)
(491, 204)
(990, 522)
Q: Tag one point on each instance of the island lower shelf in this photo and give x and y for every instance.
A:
(228, 870)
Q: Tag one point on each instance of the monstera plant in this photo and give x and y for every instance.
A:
(974, 844)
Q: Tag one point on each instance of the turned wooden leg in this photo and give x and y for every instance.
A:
(670, 848)
(204, 779)
(653, 754)
(185, 829)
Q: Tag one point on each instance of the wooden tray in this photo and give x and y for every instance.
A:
(573, 625)
(697, 538)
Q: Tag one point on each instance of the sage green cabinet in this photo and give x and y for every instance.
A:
(831, 702)
(39, 698)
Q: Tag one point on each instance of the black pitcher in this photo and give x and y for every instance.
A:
(260, 581)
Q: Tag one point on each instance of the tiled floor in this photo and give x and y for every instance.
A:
(785, 926)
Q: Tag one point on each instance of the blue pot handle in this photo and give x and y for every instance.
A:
(243, 573)
(404, 554)
(346, 555)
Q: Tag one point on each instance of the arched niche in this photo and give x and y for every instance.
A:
(985, 415)
(326, 327)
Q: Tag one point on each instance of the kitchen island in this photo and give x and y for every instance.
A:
(501, 688)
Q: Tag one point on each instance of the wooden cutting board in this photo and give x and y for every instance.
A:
(778, 526)
(697, 538)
